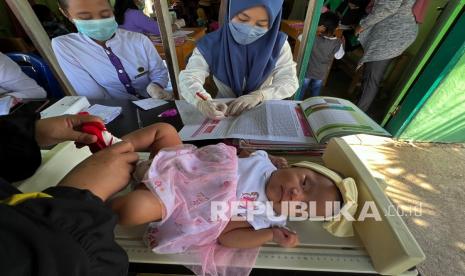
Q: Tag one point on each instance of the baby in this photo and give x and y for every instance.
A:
(182, 183)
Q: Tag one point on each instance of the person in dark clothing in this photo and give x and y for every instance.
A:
(351, 12)
(67, 229)
(49, 21)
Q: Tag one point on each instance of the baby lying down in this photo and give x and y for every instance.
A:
(208, 201)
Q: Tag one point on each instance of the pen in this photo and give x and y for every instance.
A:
(168, 113)
(201, 96)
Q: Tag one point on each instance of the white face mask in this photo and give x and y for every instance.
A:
(245, 34)
(98, 29)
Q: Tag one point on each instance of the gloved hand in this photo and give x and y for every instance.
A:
(157, 92)
(211, 109)
(244, 103)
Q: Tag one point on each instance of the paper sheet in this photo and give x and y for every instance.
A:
(150, 103)
(5, 105)
(66, 105)
(182, 33)
(271, 121)
(107, 113)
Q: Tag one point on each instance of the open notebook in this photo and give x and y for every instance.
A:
(283, 124)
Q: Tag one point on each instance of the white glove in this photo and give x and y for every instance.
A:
(244, 103)
(157, 92)
(211, 109)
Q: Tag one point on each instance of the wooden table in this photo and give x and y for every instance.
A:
(293, 28)
(184, 50)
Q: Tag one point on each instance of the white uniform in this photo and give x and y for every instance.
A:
(13, 82)
(282, 82)
(131, 64)
(253, 174)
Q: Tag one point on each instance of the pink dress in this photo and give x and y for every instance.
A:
(187, 179)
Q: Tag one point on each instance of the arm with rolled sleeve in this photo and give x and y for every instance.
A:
(381, 10)
(79, 78)
(13, 82)
(192, 79)
(157, 70)
(285, 82)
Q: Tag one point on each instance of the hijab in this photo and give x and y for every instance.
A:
(232, 63)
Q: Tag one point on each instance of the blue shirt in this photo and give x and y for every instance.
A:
(137, 21)
(88, 67)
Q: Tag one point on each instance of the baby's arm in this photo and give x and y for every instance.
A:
(153, 138)
(240, 234)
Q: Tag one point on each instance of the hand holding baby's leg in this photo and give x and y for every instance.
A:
(154, 138)
(138, 207)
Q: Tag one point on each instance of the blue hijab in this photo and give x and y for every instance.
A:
(231, 62)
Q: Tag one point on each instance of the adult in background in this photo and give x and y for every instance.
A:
(384, 34)
(129, 16)
(49, 21)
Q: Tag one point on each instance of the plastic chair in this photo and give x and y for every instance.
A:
(36, 68)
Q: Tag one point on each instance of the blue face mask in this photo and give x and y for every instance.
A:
(245, 34)
(98, 29)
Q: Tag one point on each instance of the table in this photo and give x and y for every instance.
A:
(293, 28)
(184, 50)
(129, 120)
(133, 117)
(319, 251)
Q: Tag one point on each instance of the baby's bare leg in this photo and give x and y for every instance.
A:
(153, 138)
(138, 207)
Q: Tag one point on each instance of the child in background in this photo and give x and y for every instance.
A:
(325, 48)
(182, 183)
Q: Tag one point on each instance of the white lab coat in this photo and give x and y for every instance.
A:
(282, 82)
(13, 82)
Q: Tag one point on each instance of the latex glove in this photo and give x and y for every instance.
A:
(211, 109)
(157, 92)
(285, 238)
(244, 103)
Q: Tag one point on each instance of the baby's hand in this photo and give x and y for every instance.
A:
(284, 237)
(279, 162)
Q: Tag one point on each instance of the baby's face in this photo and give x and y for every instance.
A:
(300, 184)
